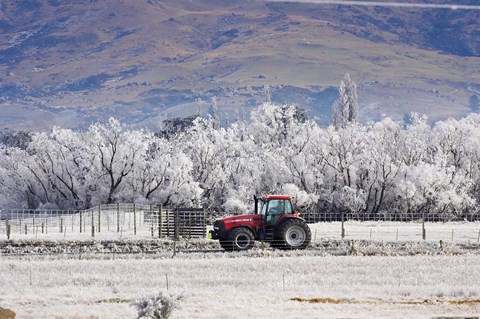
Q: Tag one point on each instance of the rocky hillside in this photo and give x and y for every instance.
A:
(71, 63)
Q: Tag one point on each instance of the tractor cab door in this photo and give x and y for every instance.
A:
(273, 209)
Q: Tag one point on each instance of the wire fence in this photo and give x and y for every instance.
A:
(395, 227)
(386, 231)
(104, 222)
(136, 221)
(315, 217)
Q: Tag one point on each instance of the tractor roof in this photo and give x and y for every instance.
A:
(281, 197)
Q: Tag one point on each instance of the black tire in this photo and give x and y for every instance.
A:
(293, 234)
(238, 239)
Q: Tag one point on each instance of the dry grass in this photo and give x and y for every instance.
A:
(472, 302)
(7, 314)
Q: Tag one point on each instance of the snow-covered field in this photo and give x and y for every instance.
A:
(354, 230)
(441, 280)
(399, 231)
(260, 284)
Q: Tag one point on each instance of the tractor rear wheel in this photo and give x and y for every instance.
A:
(238, 239)
(293, 234)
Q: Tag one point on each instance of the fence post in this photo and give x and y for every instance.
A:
(343, 225)
(152, 220)
(424, 232)
(60, 223)
(168, 222)
(81, 221)
(118, 217)
(204, 231)
(134, 219)
(176, 224)
(160, 221)
(8, 228)
(93, 224)
(99, 215)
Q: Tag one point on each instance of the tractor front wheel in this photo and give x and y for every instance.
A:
(293, 234)
(238, 239)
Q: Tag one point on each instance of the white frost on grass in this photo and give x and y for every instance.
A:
(356, 230)
(232, 285)
(398, 231)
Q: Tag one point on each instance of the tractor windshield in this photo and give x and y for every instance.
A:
(275, 208)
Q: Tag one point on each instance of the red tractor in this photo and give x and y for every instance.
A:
(277, 223)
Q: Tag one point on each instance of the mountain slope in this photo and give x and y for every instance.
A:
(73, 62)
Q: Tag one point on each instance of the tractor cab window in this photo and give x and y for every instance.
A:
(263, 211)
(288, 208)
(276, 208)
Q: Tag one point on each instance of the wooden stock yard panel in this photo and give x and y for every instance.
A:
(181, 222)
(190, 223)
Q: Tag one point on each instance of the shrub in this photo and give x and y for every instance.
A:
(157, 307)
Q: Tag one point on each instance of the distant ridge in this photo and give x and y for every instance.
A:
(71, 63)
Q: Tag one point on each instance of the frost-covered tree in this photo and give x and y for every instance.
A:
(164, 175)
(203, 144)
(62, 163)
(174, 126)
(15, 180)
(272, 128)
(117, 152)
(18, 139)
(244, 168)
(377, 168)
(343, 154)
(383, 164)
(433, 189)
(346, 108)
(214, 112)
(271, 124)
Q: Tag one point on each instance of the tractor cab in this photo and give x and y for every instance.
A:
(274, 207)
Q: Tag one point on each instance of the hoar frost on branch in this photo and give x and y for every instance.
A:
(375, 168)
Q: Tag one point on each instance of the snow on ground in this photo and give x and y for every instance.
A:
(354, 230)
(439, 281)
(398, 231)
(235, 285)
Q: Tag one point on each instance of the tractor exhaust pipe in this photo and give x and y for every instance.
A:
(255, 198)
